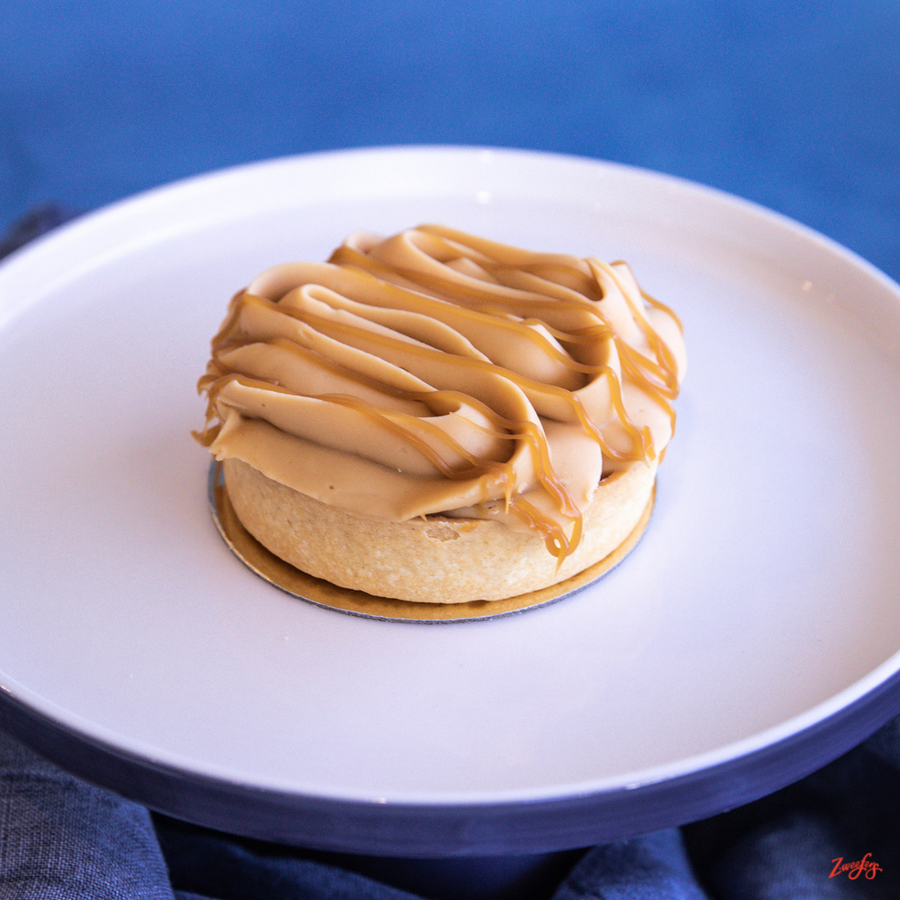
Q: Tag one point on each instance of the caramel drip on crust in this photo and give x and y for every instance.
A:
(470, 378)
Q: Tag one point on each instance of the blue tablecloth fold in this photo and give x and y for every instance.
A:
(32, 225)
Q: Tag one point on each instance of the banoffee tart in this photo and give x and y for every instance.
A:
(439, 418)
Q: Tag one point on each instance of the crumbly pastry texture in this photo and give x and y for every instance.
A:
(441, 418)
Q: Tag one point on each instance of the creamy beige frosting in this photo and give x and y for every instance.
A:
(438, 373)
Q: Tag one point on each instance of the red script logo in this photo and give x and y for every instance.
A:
(853, 870)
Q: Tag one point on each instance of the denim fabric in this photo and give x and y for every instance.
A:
(652, 867)
(61, 838)
(214, 865)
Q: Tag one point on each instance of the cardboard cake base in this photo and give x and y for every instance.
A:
(322, 593)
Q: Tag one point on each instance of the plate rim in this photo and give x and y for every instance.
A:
(462, 828)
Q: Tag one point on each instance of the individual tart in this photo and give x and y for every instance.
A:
(440, 418)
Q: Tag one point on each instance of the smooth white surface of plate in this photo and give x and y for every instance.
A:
(761, 601)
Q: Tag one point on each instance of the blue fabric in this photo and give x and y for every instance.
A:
(835, 834)
(793, 104)
(60, 838)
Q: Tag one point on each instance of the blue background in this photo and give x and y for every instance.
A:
(795, 105)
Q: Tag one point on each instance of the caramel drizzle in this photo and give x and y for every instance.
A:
(657, 377)
(227, 339)
(567, 289)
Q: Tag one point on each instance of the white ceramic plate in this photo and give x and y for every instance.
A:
(752, 635)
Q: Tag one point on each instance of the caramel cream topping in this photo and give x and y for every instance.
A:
(435, 372)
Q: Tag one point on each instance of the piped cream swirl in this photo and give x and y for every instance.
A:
(438, 373)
